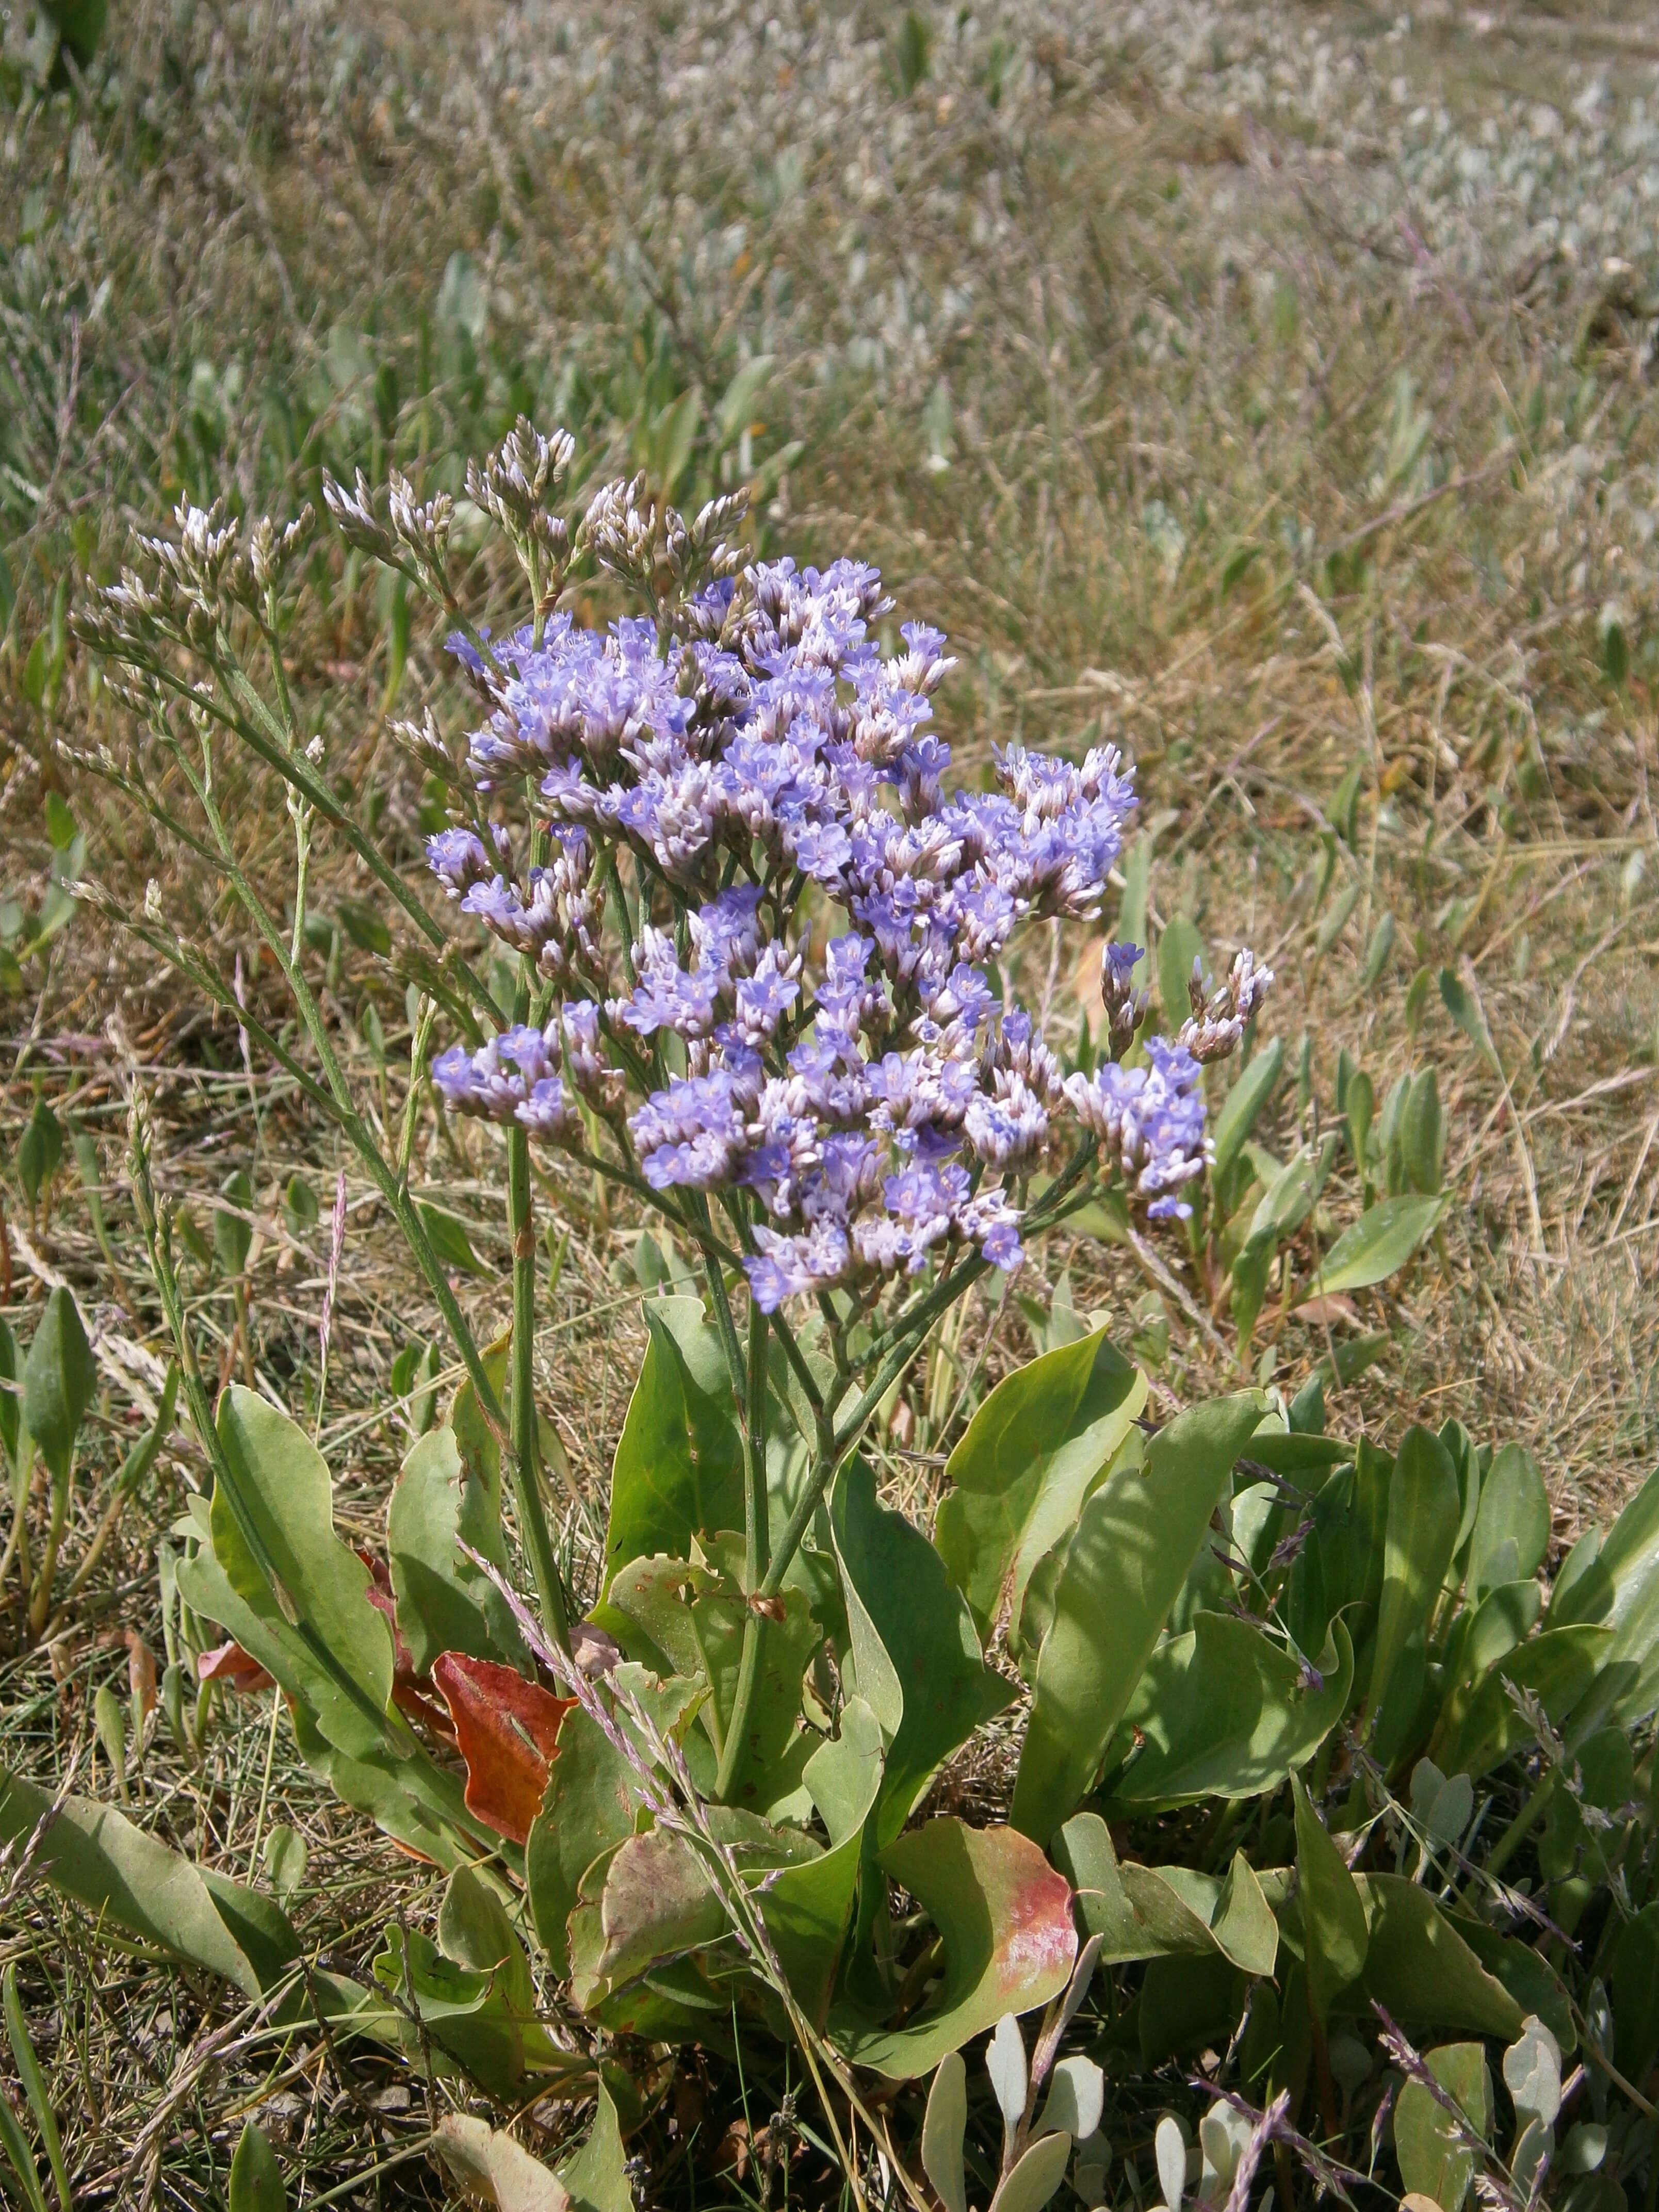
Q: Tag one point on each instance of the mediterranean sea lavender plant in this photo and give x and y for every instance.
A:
(758, 937)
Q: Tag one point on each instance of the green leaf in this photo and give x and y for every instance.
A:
(1036, 2176)
(1377, 952)
(944, 2125)
(1416, 1547)
(94, 1855)
(1512, 1526)
(477, 2017)
(1185, 2004)
(232, 1232)
(1134, 1545)
(16, 2144)
(1615, 640)
(808, 1908)
(445, 1602)
(1435, 2161)
(1338, 918)
(1635, 1995)
(32, 683)
(1155, 1912)
(657, 1901)
(1359, 1109)
(1135, 905)
(591, 1805)
(680, 1619)
(490, 2166)
(300, 1204)
(462, 301)
(1243, 1107)
(60, 1378)
(1289, 1200)
(110, 1726)
(1419, 1967)
(420, 1805)
(256, 2179)
(1423, 1146)
(1224, 1711)
(1178, 947)
(1516, 1968)
(1335, 1933)
(287, 1491)
(1376, 1246)
(1244, 1926)
(1462, 1002)
(678, 1470)
(38, 1150)
(1301, 1458)
(1005, 1917)
(284, 1855)
(287, 1495)
(597, 2175)
(1620, 1588)
(1559, 1664)
(10, 1395)
(1235, 568)
(733, 416)
(34, 2089)
(1532, 2075)
(915, 1659)
(448, 1239)
(1021, 1474)
(365, 927)
(80, 25)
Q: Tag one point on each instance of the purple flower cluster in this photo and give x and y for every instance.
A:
(1149, 1119)
(511, 1078)
(758, 769)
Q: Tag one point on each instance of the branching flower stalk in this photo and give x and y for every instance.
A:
(760, 943)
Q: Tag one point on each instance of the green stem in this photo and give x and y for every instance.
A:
(756, 1545)
(526, 1443)
(1520, 1828)
(826, 1462)
(40, 1596)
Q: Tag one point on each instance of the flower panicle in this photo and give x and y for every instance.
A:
(806, 1023)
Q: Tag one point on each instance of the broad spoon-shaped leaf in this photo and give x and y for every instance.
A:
(1005, 1918)
(1138, 1537)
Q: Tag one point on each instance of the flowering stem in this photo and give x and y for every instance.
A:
(757, 1544)
(334, 1096)
(526, 1443)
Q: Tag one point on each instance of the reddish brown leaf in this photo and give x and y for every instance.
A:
(236, 1669)
(509, 1732)
(411, 1700)
(141, 1673)
(381, 1596)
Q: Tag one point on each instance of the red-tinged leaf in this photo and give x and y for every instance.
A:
(508, 1733)
(236, 1669)
(382, 1597)
(1009, 1941)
